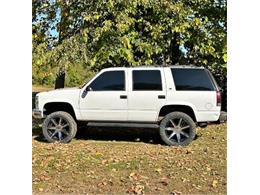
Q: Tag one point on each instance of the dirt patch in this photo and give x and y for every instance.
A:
(124, 161)
(41, 88)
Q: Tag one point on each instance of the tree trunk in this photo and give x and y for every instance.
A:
(60, 80)
(175, 52)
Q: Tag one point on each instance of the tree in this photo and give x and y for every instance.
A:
(132, 33)
(138, 31)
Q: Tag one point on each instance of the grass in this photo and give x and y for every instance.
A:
(120, 161)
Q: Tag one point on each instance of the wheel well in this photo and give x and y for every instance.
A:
(59, 106)
(180, 108)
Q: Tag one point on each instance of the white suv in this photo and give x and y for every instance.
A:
(173, 99)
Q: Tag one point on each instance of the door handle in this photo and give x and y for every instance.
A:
(123, 97)
(161, 96)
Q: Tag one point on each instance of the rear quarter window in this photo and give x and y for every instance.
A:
(192, 80)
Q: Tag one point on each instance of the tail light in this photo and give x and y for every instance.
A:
(218, 98)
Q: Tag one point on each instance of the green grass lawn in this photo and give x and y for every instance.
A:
(128, 160)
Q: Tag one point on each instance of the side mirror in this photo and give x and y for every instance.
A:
(88, 88)
(85, 92)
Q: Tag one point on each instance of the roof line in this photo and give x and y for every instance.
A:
(161, 66)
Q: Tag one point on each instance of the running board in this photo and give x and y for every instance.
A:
(118, 124)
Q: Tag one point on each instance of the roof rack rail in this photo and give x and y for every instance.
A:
(167, 65)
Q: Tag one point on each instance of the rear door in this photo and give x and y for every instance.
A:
(147, 93)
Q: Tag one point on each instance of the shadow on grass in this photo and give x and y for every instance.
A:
(110, 134)
(37, 134)
(120, 134)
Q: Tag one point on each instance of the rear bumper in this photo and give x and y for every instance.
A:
(207, 116)
(37, 114)
(211, 116)
(222, 117)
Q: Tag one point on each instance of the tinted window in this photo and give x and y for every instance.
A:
(192, 80)
(147, 80)
(109, 81)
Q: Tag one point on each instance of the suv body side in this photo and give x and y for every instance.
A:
(144, 105)
(172, 99)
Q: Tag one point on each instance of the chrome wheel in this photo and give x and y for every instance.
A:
(177, 130)
(58, 128)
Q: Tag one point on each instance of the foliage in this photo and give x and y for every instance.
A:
(128, 33)
(70, 55)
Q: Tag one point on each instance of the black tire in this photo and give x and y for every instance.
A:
(177, 129)
(63, 131)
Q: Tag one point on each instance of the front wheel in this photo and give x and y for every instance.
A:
(59, 127)
(177, 129)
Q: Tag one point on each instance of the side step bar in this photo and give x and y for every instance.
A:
(118, 124)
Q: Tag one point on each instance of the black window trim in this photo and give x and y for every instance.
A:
(110, 90)
(147, 70)
(213, 81)
(208, 74)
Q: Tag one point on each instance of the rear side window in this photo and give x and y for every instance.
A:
(147, 80)
(192, 79)
(109, 81)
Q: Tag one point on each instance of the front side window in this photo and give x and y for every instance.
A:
(147, 80)
(192, 79)
(109, 81)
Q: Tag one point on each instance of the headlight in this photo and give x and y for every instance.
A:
(36, 102)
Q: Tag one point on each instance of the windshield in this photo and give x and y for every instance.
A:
(86, 81)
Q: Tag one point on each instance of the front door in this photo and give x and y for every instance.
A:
(105, 98)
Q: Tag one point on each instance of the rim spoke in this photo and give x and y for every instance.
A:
(179, 124)
(185, 127)
(169, 129)
(52, 128)
(55, 132)
(185, 134)
(64, 131)
(172, 135)
(178, 137)
(65, 125)
(173, 124)
(60, 121)
(54, 122)
(59, 135)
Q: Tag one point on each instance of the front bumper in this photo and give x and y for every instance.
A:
(37, 114)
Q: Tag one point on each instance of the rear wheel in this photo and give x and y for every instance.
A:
(59, 127)
(177, 129)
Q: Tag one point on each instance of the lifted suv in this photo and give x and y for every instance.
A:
(173, 99)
